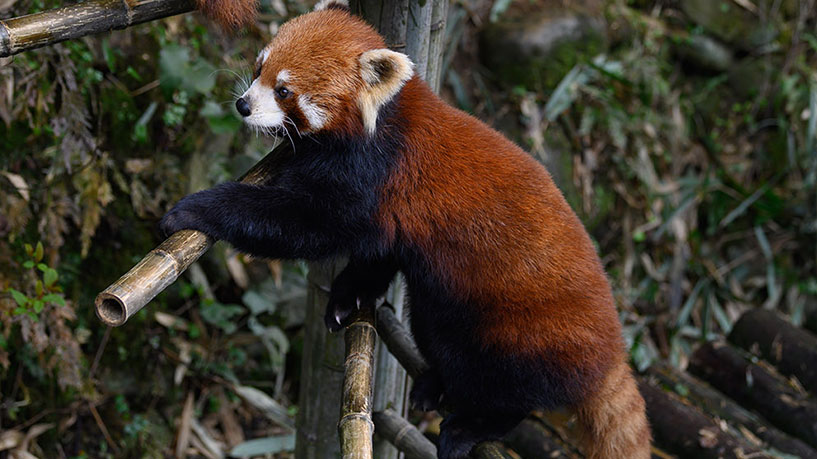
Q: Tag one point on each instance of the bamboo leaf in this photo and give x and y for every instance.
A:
(262, 446)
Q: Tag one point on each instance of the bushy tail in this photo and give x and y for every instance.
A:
(613, 420)
(229, 14)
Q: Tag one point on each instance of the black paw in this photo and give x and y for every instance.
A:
(189, 213)
(339, 310)
(427, 392)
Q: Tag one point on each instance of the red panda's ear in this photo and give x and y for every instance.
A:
(332, 4)
(384, 73)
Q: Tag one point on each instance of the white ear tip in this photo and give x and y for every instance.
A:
(325, 4)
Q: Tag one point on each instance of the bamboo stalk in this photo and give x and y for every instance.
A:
(93, 16)
(399, 341)
(356, 426)
(436, 45)
(418, 30)
(403, 435)
(164, 264)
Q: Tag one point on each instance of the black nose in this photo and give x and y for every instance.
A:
(242, 106)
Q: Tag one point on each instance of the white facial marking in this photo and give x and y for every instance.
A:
(283, 76)
(314, 114)
(264, 110)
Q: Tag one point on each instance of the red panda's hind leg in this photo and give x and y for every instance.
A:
(459, 433)
(427, 391)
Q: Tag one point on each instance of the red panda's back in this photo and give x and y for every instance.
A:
(500, 235)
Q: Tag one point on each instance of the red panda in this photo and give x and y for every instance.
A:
(509, 302)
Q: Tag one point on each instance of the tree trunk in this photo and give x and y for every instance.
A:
(321, 373)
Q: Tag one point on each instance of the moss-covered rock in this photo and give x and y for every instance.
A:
(536, 47)
(730, 22)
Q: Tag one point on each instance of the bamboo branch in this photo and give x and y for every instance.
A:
(403, 435)
(93, 16)
(399, 341)
(355, 426)
(164, 264)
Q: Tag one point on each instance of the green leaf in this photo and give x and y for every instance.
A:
(54, 298)
(19, 311)
(28, 264)
(38, 288)
(42, 266)
(38, 252)
(29, 249)
(38, 306)
(50, 276)
(19, 297)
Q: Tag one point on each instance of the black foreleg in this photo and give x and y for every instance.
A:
(261, 220)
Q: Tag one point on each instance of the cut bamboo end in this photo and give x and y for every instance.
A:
(164, 264)
(160, 268)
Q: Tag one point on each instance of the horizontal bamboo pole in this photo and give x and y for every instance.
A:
(356, 426)
(78, 20)
(403, 435)
(164, 264)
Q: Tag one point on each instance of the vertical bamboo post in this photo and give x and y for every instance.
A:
(355, 426)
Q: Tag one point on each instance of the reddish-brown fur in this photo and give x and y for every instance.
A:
(229, 14)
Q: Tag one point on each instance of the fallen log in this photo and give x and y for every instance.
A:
(733, 373)
(791, 349)
(686, 431)
(741, 421)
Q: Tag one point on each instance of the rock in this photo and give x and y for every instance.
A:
(730, 22)
(536, 46)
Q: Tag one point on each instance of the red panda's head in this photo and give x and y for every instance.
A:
(324, 71)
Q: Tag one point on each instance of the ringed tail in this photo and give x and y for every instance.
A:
(613, 421)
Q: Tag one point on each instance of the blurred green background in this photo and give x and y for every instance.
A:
(683, 133)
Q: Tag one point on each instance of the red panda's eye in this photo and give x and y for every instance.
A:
(282, 92)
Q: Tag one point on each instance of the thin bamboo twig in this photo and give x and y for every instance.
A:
(356, 426)
(164, 264)
(93, 16)
(403, 435)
